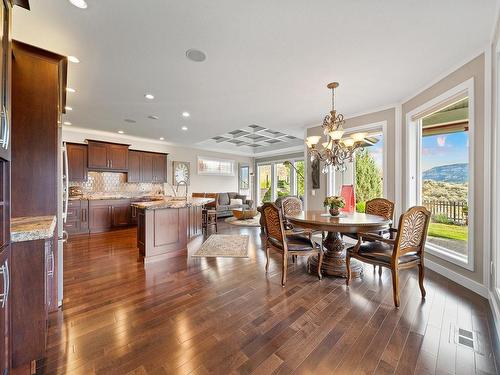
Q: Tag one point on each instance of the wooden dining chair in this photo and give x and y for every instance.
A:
(381, 207)
(292, 206)
(291, 245)
(405, 251)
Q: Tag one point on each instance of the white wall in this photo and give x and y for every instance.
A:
(207, 184)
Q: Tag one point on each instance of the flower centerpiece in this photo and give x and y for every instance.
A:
(334, 203)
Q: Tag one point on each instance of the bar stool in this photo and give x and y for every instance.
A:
(208, 219)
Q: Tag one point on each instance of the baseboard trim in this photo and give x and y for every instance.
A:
(459, 279)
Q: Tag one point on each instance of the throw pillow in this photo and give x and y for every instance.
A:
(236, 202)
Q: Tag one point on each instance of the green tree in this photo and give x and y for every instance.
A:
(300, 181)
(368, 178)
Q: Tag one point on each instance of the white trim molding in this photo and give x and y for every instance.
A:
(413, 168)
(459, 279)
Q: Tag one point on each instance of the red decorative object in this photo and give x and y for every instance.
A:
(347, 192)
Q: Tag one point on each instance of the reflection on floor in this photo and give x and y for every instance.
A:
(224, 315)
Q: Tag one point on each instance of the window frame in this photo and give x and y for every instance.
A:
(413, 179)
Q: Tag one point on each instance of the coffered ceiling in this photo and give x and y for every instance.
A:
(267, 62)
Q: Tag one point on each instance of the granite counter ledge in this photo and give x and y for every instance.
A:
(32, 228)
(172, 203)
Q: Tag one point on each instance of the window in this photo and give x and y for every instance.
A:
(283, 179)
(280, 179)
(264, 179)
(367, 170)
(244, 180)
(440, 162)
(216, 167)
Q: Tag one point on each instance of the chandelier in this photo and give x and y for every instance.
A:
(336, 151)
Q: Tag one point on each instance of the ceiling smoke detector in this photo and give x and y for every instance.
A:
(196, 55)
(152, 117)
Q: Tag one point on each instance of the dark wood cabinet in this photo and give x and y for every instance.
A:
(107, 156)
(147, 172)
(121, 214)
(5, 80)
(134, 166)
(98, 155)
(5, 309)
(194, 222)
(147, 167)
(33, 274)
(77, 161)
(159, 168)
(77, 221)
(100, 219)
(107, 214)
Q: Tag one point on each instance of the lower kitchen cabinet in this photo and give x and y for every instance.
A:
(107, 214)
(32, 269)
(77, 220)
(5, 310)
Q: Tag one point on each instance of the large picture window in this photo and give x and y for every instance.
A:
(440, 165)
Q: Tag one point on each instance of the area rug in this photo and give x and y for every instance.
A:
(224, 245)
(254, 222)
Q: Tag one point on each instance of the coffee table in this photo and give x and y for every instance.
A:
(242, 214)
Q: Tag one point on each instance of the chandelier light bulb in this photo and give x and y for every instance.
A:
(313, 140)
(348, 142)
(336, 135)
(359, 137)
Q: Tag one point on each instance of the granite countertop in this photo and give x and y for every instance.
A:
(115, 196)
(173, 203)
(32, 228)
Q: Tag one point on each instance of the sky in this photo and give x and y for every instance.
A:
(376, 151)
(444, 149)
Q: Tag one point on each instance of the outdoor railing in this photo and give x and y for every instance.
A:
(454, 211)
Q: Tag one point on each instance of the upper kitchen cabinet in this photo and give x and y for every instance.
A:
(159, 168)
(77, 161)
(147, 167)
(105, 156)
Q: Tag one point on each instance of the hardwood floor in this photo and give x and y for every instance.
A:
(198, 316)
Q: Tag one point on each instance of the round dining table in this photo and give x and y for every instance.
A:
(347, 222)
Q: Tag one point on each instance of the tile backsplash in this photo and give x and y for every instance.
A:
(112, 182)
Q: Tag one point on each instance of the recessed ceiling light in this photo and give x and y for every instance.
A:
(162, 139)
(120, 132)
(82, 4)
(185, 114)
(67, 123)
(149, 96)
(196, 55)
(184, 128)
(152, 117)
(68, 108)
(69, 89)
(73, 59)
(130, 121)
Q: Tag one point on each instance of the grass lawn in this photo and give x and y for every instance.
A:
(454, 232)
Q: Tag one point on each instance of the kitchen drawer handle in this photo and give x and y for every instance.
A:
(4, 270)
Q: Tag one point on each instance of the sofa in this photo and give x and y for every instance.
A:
(224, 206)
(223, 202)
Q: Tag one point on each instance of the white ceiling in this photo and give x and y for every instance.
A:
(268, 62)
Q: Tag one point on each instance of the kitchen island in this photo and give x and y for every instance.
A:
(165, 226)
